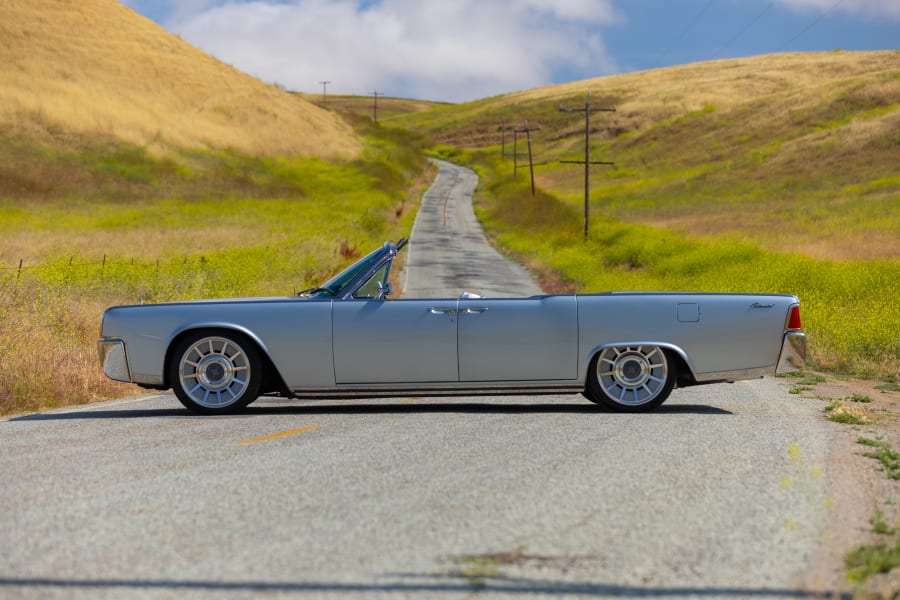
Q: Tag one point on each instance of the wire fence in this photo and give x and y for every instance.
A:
(100, 264)
(157, 279)
(161, 279)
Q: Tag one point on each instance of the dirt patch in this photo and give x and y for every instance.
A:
(860, 491)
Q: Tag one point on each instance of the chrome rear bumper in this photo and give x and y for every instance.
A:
(793, 353)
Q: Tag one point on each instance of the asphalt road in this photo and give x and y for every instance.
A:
(448, 253)
(721, 493)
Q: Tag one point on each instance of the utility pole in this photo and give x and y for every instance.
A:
(324, 86)
(527, 131)
(587, 155)
(503, 129)
(375, 106)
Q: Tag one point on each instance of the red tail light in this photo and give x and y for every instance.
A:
(794, 319)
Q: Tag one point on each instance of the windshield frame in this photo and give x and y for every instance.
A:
(345, 284)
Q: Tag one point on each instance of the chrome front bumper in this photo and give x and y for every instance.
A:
(793, 353)
(114, 359)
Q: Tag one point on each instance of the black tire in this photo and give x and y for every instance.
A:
(215, 372)
(631, 378)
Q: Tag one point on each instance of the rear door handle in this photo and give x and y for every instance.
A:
(442, 310)
(473, 310)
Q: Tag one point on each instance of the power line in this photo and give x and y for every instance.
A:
(690, 26)
(811, 25)
(745, 29)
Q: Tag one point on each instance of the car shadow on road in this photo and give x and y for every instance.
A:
(427, 585)
(341, 408)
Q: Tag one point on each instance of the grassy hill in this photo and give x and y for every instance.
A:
(95, 66)
(387, 107)
(796, 152)
(133, 166)
(771, 173)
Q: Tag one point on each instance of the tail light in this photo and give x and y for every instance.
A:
(794, 318)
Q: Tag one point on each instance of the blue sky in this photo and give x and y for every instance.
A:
(457, 50)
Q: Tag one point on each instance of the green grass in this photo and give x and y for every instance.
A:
(839, 412)
(817, 179)
(884, 454)
(880, 526)
(890, 386)
(862, 398)
(805, 383)
(209, 224)
(848, 307)
(866, 561)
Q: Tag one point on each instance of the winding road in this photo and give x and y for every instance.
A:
(720, 493)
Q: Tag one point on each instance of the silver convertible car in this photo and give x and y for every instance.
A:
(347, 339)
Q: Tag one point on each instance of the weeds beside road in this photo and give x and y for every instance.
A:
(212, 225)
(867, 415)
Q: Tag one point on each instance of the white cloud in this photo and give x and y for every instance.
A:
(433, 49)
(889, 9)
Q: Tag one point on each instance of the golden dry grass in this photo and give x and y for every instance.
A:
(792, 152)
(650, 95)
(45, 351)
(97, 67)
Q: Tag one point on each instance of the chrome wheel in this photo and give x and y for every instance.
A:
(631, 377)
(216, 373)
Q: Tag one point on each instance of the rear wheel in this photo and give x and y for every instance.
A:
(631, 378)
(216, 373)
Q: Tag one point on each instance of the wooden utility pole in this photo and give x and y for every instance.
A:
(503, 128)
(324, 98)
(527, 131)
(587, 155)
(375, 106)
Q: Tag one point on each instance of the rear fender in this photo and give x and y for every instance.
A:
(685, 368)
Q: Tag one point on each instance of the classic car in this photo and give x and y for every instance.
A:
(348, 339)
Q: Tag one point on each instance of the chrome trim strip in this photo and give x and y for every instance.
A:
(737, 375)
(793, 353)
(468, 390)
(114, 359)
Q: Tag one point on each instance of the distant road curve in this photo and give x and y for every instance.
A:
(448, 252)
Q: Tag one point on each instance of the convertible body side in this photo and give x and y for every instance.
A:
(365, 347)
(626, 350)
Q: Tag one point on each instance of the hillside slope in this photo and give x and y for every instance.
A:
(96, 67)
(795, 152)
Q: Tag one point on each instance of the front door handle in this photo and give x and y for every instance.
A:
(442, 310)
(473, 310)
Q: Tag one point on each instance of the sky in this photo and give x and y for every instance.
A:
(460, 50)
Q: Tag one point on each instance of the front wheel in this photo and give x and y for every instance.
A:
(214, 373)
(631, 378)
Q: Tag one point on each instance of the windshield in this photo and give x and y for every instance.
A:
(336, 284)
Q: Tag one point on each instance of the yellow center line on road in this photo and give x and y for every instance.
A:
(276, 436)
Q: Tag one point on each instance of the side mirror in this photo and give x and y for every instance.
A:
(384, 290)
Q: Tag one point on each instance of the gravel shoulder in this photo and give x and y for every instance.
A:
(858, 487)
